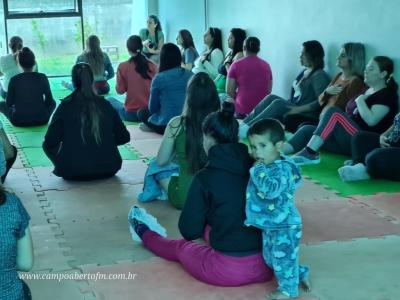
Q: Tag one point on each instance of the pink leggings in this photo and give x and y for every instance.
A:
(207, 264)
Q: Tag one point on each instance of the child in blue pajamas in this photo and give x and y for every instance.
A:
(270, 207)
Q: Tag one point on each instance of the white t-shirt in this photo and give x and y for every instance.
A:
(9, 67)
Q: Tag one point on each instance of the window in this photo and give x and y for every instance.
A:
(17, 8)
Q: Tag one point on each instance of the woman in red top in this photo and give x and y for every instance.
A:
(133, 78)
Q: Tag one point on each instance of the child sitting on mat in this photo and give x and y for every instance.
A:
(270, 207)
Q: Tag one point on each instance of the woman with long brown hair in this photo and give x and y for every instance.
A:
(84, 133)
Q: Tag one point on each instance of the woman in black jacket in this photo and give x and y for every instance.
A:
(84, 133)
(215, 207)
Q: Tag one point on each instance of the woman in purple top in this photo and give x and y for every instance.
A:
(249, 79)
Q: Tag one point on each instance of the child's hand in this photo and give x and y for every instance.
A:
(257, 162)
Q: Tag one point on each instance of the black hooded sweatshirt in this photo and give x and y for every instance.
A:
(217, 197)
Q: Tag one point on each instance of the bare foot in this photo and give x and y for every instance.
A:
(276, 295)
(306, 285)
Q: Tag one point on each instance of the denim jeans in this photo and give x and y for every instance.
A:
(123, 114)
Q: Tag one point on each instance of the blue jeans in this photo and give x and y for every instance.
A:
(123, 114)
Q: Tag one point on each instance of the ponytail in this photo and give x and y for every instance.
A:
(90, 114)
(135, 46)
(222, 125)
(391, 83)
(386, 64)
(142, 65)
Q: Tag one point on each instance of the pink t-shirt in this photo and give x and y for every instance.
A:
(136, 87)
(253, 78)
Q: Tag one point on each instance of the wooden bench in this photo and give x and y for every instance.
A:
(112, 52)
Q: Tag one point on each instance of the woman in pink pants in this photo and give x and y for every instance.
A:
(215, 207)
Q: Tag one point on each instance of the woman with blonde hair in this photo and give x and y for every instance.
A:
(100, 64)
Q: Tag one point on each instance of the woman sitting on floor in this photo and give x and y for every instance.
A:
(16, 250)
(249, 79)
(235, 43)
(346, 85)
(375, 156)
(215, 208)
(189, 52)
(133, 78)
(29, 100)
(84, 133)
(209, 61)
(182, 140)
(306, 88)
(167, 92)
(372, 111)
(8, 64)
(152, 38)
(100, 64)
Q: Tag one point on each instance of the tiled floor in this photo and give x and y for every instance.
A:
(352, 245)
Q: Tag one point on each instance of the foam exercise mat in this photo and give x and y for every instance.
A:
(127, 153)
(35, 157)
(9, 128)
(326, 173)
(30, 139)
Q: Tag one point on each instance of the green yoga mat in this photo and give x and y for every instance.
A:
(9, 128)
(35, 157)
(30, 139)
(326, 173)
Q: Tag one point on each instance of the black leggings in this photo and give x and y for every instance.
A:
(143, 116)
(381, 163)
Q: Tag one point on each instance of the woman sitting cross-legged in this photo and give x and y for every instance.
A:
(188, 50)
(372, 111)
(235, 43)
(182, 140)
(215, 207)
(100, 64)
(249, 79)
(167, 91)
(9, 65)
(209, 60)
(152, 38)
(133, 78)
(306, 88)
(84, 133)
(29, 100)
(374, 156)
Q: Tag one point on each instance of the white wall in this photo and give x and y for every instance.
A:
(182, 14)
(282, 26)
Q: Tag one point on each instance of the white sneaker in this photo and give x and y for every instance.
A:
(144, 217)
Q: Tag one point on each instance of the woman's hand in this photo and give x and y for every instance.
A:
(334, 90)
(361, 98)
(383, 141)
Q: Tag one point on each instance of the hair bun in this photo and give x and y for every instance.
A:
(227, 109)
